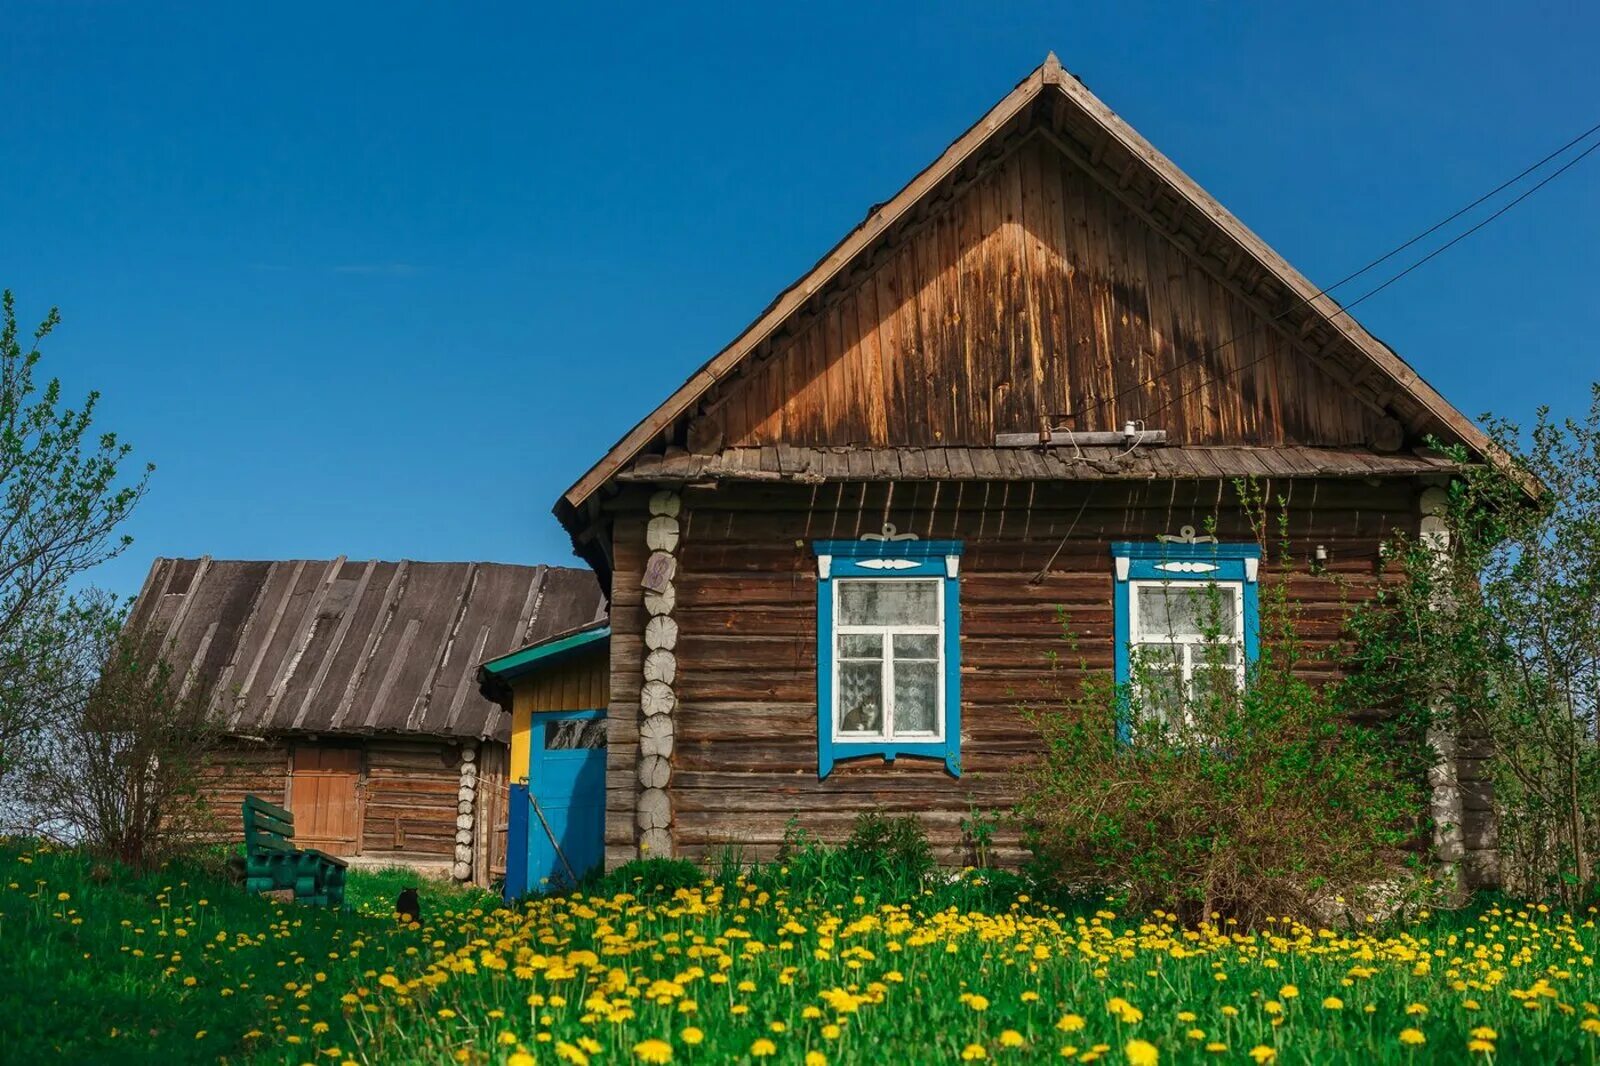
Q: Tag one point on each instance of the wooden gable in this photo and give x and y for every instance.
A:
(1050, 266)
(1036, 296)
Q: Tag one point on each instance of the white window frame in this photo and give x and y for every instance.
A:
(887, 632)
(1187, 643)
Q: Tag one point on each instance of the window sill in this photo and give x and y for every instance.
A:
(840, 750)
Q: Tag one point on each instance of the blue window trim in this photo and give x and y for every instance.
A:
(1180, 561)
(918, 559)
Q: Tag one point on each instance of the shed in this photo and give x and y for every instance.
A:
(349, 693)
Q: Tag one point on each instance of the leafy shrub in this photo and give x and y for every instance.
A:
(885, 857)
(1263, 802)
(1491, 625)
(121, 768)
(881, 846)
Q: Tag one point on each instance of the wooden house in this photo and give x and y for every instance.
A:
(842, 553)
(349, 693)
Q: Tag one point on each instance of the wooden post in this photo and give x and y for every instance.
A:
(657, 700)
(1445, 805)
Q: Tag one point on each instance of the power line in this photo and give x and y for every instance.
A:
(1385, 257)
(1547, 179)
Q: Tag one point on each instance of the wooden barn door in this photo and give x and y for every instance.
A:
(325, 799)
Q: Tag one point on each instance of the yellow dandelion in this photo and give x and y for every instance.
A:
(653, 1051)
(973, 1052)
(1413, 1037)
(569, 1053)
(763, 1048)
(1263, 1054)
(1011, 1038)
(690, 1035)
(1070, 1023)
(1333, 1003)
(1142, 1053)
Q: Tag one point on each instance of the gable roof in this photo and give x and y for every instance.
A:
(340, 646)
(1191, 215)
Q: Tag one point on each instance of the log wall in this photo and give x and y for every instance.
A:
(408, 796)
(1037, 563)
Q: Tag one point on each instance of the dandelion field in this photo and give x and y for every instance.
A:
(178, 967)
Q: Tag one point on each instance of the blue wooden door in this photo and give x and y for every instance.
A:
(566, 798)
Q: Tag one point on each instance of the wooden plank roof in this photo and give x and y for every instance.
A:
(1193, 216)
(815, 465)
(345, 646)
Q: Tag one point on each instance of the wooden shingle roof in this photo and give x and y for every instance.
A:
(344, 646)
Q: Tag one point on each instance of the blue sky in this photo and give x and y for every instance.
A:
(383, 279)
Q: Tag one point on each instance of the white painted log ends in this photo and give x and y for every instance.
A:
(466, 806)
(657, 700)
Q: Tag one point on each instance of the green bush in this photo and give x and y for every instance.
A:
(1268, 801)
(881, 846)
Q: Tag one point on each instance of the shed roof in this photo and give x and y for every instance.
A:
(345, 646)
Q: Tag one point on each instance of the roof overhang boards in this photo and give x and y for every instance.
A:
(1053, 104)
(496, 675)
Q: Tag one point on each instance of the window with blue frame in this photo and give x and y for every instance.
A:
(888, 649)
(1187, 620)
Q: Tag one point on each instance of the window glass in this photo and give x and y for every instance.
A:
(888, 603)
(861, 646)
(889, 677)
(861, 697)
(916, 645)
(916, 696)
(571, 734)
(1187, 612)
(1187, 645)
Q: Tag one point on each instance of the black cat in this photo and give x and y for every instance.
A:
(407, 907)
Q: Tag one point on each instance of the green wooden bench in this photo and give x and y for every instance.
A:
(272, 862)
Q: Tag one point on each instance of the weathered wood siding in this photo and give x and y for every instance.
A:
(745, 758)
(238, 768)
(1031, 293)
(411, 798)
(577, 684)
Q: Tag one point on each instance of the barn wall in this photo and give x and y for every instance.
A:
(1037, 562)
(411, 798)
(406, 797)
(238, 768)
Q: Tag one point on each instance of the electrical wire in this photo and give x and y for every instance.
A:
(1385, 257)
(1384, 285)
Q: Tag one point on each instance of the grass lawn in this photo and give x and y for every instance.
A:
(179, 966)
